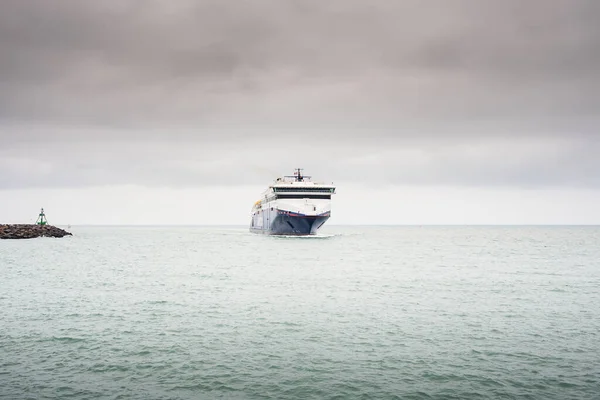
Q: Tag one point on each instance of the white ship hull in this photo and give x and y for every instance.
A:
(277, 221)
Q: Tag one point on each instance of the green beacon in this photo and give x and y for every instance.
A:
(42, 218)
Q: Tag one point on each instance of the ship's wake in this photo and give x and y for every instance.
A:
(315, 237)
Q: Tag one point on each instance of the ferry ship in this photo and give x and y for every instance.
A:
(292, 205)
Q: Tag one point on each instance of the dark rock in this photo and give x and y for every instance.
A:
(22, 231)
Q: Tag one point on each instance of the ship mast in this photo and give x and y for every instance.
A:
(298, 176)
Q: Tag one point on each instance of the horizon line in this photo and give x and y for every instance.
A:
(332, 225)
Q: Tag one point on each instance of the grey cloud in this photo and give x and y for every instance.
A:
(530, 161)
(195, 92)
(140, 62)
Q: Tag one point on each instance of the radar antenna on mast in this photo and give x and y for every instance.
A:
(298, 176)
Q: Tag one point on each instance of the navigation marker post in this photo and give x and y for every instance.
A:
(41, 218)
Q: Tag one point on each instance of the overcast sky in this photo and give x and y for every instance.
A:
(421, 112)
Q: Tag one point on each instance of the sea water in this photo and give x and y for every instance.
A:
(354, 313)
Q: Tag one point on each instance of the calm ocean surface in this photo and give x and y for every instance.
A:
(360, 312)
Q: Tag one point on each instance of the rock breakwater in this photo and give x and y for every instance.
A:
(24, 231)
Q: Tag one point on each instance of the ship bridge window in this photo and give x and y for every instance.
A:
(303, 190)
(304, 196)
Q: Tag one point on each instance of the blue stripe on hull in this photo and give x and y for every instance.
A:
(293, 225)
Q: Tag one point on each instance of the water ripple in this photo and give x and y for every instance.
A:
(366, 313)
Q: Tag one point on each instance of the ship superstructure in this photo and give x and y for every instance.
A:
(292, 205)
